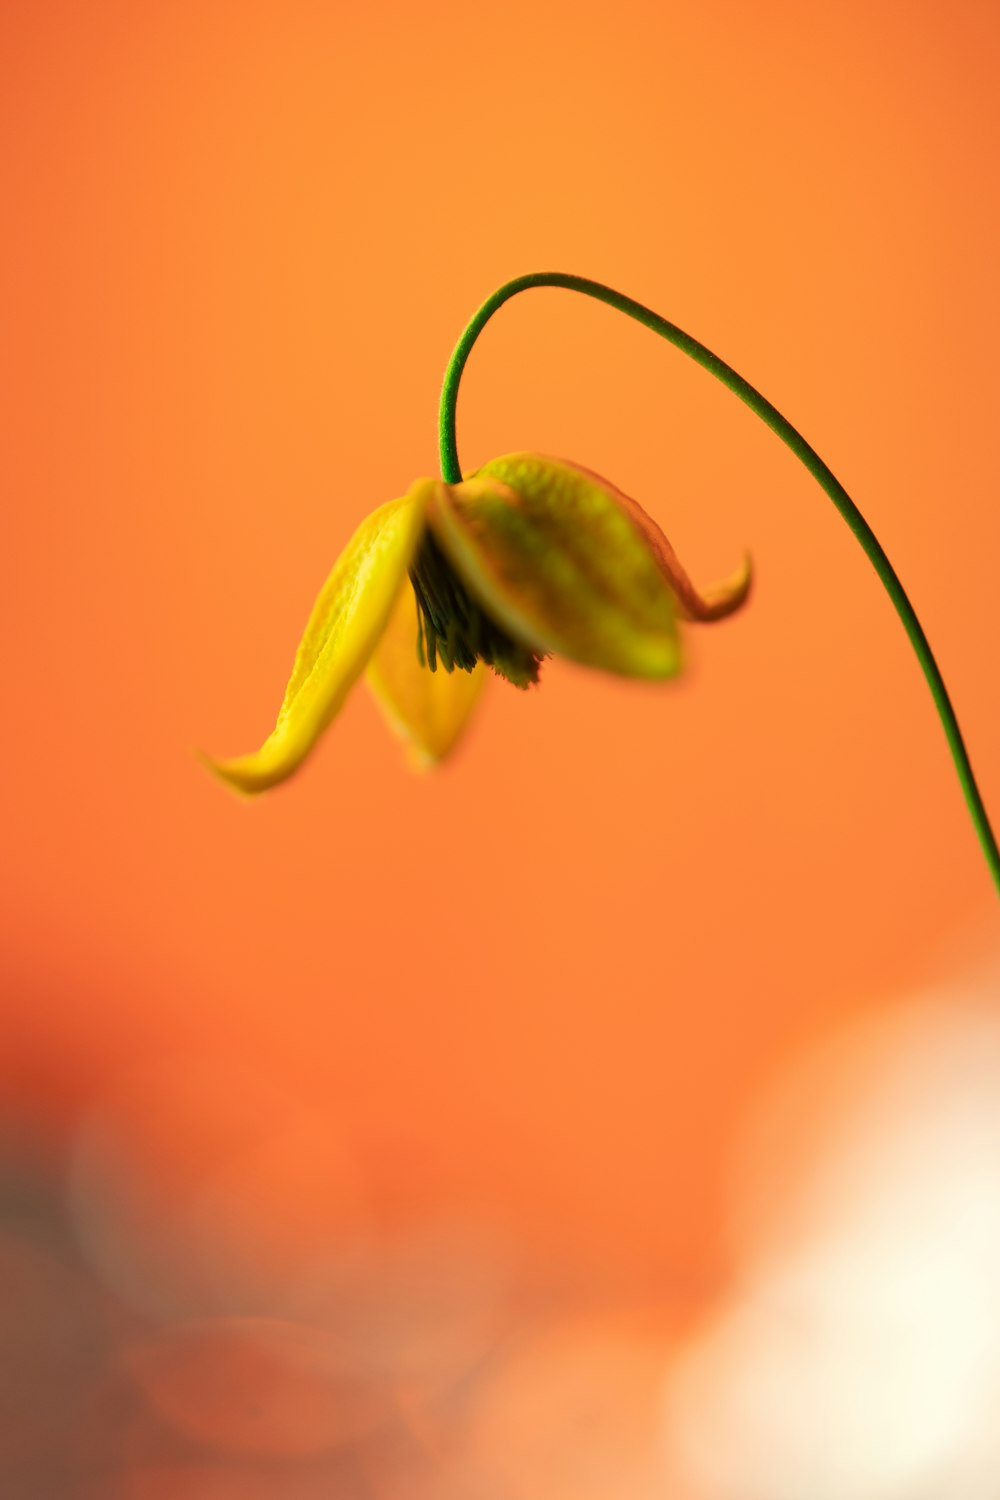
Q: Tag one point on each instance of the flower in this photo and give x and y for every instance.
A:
(527, 558)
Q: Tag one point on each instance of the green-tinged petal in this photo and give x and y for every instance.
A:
(703, 605)
(343, 630)
(429, 710)
(551, 553)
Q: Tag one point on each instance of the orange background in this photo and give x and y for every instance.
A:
(241, 241)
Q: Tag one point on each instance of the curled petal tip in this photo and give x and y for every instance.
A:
(719, 601)
(247, 775)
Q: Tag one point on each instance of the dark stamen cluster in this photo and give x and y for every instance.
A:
(453, 630)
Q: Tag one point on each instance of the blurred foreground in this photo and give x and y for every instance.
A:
(217, 1296)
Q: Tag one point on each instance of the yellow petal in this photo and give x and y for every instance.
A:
(552, 555)
(427, 709)
(343, 630)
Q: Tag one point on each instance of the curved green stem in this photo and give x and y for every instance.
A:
(452, 474)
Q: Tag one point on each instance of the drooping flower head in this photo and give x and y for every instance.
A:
(527, 558)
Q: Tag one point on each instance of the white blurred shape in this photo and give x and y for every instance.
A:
(860, 1357)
